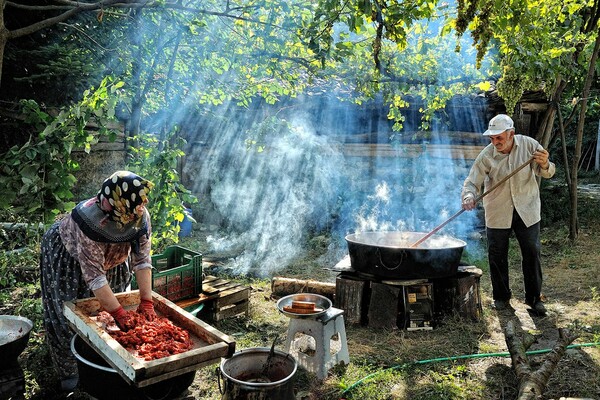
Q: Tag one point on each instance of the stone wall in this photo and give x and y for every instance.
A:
(96, 166)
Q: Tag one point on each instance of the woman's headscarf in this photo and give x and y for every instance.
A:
(123, 196)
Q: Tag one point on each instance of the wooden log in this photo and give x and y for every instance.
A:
(532, 383)
(352, 296)
(458, 294)
(301, 310)
(383, 307)
(309, 305)
(285, 286)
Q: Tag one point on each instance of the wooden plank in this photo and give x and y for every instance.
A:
(201, 329)
(461, 152)
(188, 302)
(221, 288)
(230, 311)
(243, 294)
(221, 299)
(214, 281)
(209, 343)
(212, 286)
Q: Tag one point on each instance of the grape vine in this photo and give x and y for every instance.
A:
(511, 87)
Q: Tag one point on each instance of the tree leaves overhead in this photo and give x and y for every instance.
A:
(211, 52)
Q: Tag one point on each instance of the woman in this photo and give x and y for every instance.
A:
(90, 253)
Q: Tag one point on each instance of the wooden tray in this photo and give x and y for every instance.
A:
(209, 343)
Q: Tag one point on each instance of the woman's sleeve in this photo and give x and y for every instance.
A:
(91, 259)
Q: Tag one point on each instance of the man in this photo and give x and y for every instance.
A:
(514, 206)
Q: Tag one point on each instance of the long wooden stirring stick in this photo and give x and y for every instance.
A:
(477, 199)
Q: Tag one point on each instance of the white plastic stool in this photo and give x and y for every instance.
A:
(321, 329)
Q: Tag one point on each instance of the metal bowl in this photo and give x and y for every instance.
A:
(14, 335)
(320, 302)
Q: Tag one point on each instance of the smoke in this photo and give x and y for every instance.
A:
(273, 189)
(278, 180)
(279, 174)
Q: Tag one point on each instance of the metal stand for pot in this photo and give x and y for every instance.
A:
(327, 352)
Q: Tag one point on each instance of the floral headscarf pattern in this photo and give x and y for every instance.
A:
(123, 196)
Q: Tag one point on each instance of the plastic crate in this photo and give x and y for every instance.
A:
(177, 273)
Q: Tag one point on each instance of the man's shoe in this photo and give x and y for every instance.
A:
(538, 307)
(501, 304)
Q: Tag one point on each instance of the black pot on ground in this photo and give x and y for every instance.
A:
(100, 380)
(14, 335)
(258, 373)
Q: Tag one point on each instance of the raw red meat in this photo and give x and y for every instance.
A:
(150, 340)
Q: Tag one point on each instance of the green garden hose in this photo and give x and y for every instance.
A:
(465, 356)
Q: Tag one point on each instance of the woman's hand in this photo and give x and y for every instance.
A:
(123, 319)
(146, 308)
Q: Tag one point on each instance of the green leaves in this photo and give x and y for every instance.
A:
(535, 40)
(156, 160)
(38, 177)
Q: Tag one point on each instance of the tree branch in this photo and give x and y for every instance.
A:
(533, 383)
(76, 7)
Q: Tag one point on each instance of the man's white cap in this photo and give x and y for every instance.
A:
(499, 124)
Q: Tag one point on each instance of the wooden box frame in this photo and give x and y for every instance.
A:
(210, 345)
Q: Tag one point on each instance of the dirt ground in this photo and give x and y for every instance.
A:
(478, 369)
(572, 294)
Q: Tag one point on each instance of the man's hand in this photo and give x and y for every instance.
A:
(122, 318)
(541, 158)
(146, 308)
(468, 202)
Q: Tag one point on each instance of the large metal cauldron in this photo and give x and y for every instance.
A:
(102, 382)
(390, 255)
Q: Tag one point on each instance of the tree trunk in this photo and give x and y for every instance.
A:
(545, 131)
(133, 125)
(563, 139)
(3, 36)
(573, 225)
(533, 383)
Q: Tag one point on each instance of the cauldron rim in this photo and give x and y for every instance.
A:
(261, 351)
(87, 362)
(452, 242)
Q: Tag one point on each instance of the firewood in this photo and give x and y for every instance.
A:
(290, 309)
(285, 286)
(532, 383)
(309, 305)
